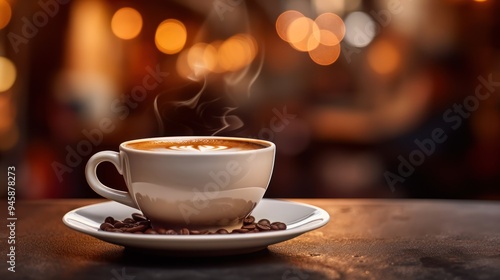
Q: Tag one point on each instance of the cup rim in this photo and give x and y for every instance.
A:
(268, 145)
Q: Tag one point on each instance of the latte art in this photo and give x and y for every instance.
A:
(201, 148)
(201, 145)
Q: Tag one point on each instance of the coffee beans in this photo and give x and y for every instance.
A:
(139, 224)
(222, 231)
(138, 217)
(109, 220)
(105, 226)
(249, 227)
(249, 220)
(278, 226)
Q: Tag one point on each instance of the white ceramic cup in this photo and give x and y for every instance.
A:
(204, 186)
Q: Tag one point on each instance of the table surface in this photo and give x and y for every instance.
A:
(365, 239)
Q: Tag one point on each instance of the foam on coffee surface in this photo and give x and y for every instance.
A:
(196, 145)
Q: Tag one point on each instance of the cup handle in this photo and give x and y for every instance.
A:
(100, 188)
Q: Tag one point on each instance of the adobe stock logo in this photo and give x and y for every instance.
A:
(30, 27)
(453, 116)
(223, 6)
(120, 108)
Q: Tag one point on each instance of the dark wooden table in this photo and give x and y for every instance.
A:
(365, 239)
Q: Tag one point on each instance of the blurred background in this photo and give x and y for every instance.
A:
(385, 98)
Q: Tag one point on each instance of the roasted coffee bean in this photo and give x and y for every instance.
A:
(161, 230)
(146, 223)
(263, 227)
(249, 220)
(139, 217)
(280, 225)
(119, 224)
(222, 231)
(184, 231)
(138, 232)
(134, 229)
(150, 231)
(240, 230)
(115, 230)
(274, 227)
(264, 222)
(128, 226)
(105, 226)
(171, 232)
(109, 220)
(249, 227)
(129, 221)
(195, 232)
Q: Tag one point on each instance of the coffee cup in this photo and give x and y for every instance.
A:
(202, 182)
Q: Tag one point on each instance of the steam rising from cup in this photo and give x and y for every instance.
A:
(208, 109)
(220, 68)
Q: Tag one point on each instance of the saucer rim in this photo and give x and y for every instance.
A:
(321, 218)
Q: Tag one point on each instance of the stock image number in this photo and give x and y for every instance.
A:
(11, 176)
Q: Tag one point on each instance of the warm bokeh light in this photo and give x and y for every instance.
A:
(360, 29)
(5, 13)
(89, 40)
(201, 59)
(126, 23)
(326, 37)
(312, 43)
(231, 54)
(301, 34)
(332, 29)
(195, 56)
(7, 74)
(324, 54)
(299, 29)
(171, 36)
(236, 52)
(283, 22)
(321, 37)
(182, 66)
(212, 56)
(308, 43)
(383, 57)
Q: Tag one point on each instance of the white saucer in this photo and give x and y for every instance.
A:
(299, 218)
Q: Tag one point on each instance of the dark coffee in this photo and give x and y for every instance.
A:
(196, 145)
